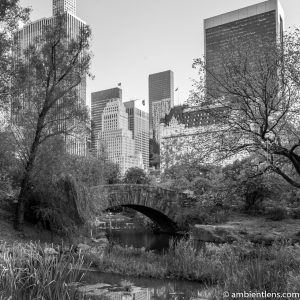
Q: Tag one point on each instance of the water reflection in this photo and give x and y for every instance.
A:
(157, 289)
(139, 238)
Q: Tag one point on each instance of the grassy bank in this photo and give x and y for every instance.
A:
(240, 266)
(29, 271)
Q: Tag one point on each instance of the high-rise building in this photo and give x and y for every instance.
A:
(98, 103)
(260, 22)
(28, 35)
(161, 99)
(116, 139)
(61, 6)
(138, 122)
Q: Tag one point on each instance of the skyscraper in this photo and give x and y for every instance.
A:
(260, 22)
(98, 103)
(116, 139)
(30, 32)
(138, 121)
(28, 35)
(61, 6)
(161, 99)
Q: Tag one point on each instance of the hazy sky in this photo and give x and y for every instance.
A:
(134, 38)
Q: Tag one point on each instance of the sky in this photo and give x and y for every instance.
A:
(135, 38)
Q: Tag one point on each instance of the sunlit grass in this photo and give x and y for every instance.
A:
(27, 271)
(239, 266)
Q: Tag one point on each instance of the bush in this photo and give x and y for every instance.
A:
(295, 213)
(136, 175)
(277, 214)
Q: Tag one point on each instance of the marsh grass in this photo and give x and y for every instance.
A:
(232, 267)
(27, 271)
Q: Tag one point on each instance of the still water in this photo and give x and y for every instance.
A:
(138, 238)
(158, 288)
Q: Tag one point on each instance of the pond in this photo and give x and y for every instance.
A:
(158, 288)
(140, 238)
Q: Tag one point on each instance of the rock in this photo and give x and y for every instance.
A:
(100, 241)
(214, 234)
(50, 251)
(106, 292)
(83, 247)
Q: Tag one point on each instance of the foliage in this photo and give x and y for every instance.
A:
(232, 267)
(59, 196)
(257, 89)
(11, 16)
(136, 176)
(27, 271)
(112, 173)
(154, 159)
(277, 214)
(8, 161)
(48, 103)
(247, 186)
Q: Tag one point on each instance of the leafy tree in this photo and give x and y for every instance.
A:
(258, 88)
(11, 15)
(47, 79)
(154, 158)
(136, 176)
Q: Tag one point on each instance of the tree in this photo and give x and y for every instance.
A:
(136, 176)
(258, 88)
(154, 159)
(47, 78)
(11, 15)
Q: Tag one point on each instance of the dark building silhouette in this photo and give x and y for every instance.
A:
(260, 22)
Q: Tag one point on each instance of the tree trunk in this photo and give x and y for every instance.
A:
(20, 209)
(19, 217)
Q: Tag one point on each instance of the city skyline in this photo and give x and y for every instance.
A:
(132, 44)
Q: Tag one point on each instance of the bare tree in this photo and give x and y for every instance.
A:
(258, 86)
(49, 102)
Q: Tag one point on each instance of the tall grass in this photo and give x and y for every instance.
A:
(27, 271)
(236, 267)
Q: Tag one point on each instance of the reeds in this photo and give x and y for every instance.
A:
(29, 271)
(231, 267)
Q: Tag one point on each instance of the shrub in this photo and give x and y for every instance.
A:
(295, 213)
(277, 214)
(136, 175)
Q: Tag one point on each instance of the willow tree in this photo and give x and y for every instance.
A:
(258, 87)
(48, 104)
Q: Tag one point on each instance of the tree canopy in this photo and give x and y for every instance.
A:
(258, 87)
(48, 102)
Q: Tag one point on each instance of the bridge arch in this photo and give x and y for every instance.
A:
(160, 205)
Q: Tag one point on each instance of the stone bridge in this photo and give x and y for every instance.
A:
(159, 204)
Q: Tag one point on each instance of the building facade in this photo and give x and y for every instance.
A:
(260, 22)
(29, 34)
(138, 122)
(193, 135)
(116, 139)
(161, 99)
(61, 6)
(98, 103)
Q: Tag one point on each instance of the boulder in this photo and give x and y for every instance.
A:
(50, 251)
(229, 233)
(214, 233)
(83, 247)
(106, 292)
